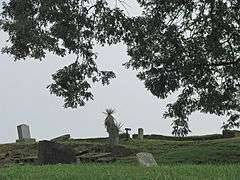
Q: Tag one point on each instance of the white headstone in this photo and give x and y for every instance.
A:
(146, 159)
(23, 132)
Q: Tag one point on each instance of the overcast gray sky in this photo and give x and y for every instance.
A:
(25, 99)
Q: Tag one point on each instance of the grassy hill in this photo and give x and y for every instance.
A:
(193, 152)
(186, 159)
(165, 151)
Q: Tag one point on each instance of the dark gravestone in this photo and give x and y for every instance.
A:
(55, 153)
(127, 134)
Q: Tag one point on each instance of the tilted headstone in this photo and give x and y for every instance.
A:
(140, 133)
(24, 133)
(146, 159)
(54, 153)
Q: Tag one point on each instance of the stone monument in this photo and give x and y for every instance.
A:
(54, 153)
(127, 134)
(24, 134)
(140, 133)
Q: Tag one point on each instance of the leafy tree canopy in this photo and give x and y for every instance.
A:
(191, 47)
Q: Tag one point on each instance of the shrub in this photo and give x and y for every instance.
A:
(173, 138)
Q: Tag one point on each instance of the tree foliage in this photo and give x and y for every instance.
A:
(189, 47)
(192, 47)
(63, 27)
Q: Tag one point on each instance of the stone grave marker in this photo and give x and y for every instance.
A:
(146, 159)
(127, 132)
(54, 153)
(24, 133)
(140, 133)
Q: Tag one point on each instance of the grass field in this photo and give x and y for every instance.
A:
(217, 151)
(194, 152)
(121, 172)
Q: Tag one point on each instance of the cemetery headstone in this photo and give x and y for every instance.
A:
(146, 159)
(54, 153)
(24, 133)
(127, 132)
(140, 133)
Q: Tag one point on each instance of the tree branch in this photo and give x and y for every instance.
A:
(222, 63)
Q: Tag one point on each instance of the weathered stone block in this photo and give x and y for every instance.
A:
(146, 159)
(54, 153)
(23, 132)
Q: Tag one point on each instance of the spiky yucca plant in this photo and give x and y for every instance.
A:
(119, 126)
(110, 120)
(112, 127)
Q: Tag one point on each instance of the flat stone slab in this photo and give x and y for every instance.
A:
(62, 138)
(25, 160)
(146, 159)
(95, 155)
(106, 160)
(31, 140)
(80, 153)
(92, 157)
(2, 156)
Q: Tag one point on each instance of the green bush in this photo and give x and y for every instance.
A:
(189, 138)
(230, 133)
